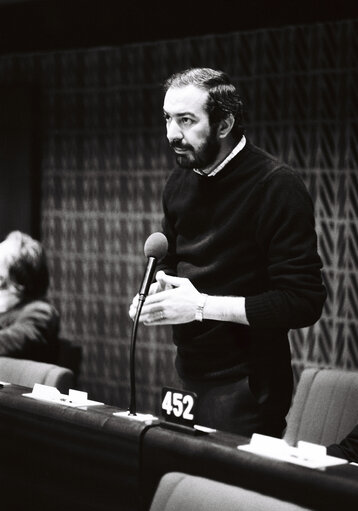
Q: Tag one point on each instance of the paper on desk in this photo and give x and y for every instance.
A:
(305, 454)
(205, 429)
(75, 398)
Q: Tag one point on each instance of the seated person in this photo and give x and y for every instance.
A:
(29, 325)
(347, 448)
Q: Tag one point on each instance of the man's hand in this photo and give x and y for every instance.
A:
(156, 287)
(171, 300)
(174, 300)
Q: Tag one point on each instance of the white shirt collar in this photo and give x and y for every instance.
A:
(228, 158)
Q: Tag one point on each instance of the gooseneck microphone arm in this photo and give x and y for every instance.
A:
(144, 289)
(132, 404)
(155, 248)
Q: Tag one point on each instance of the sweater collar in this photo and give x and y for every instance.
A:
(228, 158)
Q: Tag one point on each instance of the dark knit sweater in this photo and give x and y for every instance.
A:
(248, 231)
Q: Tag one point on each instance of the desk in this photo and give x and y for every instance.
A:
(215, 456)
(54, 457)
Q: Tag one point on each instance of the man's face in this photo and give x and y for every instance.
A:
(189, 133)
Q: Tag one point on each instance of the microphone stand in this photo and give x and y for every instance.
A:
(143, 292)
(132, 405)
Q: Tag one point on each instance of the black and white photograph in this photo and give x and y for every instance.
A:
(179, 255)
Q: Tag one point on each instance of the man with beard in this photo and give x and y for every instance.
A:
(242, 266)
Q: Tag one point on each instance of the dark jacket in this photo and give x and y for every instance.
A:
(30, 330)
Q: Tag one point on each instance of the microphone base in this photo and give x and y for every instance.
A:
(147, 418)
(182, 428)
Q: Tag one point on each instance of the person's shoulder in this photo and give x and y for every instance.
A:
(257, 152)
(39, 307)
(272, 167)
(263, 157)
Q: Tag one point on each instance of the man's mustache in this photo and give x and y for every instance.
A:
(179, 145)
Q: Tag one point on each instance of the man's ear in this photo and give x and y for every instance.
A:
(225, 126)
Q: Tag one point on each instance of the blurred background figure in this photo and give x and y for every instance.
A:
(347, 448)
(29, 325)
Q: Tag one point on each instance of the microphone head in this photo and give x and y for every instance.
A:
(156, 245)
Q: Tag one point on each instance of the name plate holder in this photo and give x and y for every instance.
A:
(49, 394)
(305, 454)
(178, 410)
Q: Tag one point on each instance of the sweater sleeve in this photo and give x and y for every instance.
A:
(347, 448)
(285, 234)
(32, 329)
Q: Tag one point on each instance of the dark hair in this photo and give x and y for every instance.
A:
(28, 265)
(223, 99)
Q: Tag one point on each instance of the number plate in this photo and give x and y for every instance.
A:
(179, 406)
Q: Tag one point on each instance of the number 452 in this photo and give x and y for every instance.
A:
(178, 404)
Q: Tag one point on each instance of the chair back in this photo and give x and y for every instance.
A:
(69, 355)
(182, 492)
(325, 406)
(28, 372)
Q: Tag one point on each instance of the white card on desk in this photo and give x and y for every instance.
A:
(50, 394)
(305, 454)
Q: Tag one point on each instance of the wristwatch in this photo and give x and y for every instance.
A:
(199, 312)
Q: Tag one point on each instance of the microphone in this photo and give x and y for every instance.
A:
(155, 248)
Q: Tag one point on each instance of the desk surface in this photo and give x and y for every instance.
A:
(216, 456)
(59, 457)
(88, 459)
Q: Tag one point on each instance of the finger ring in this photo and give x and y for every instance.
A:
(160, 315)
